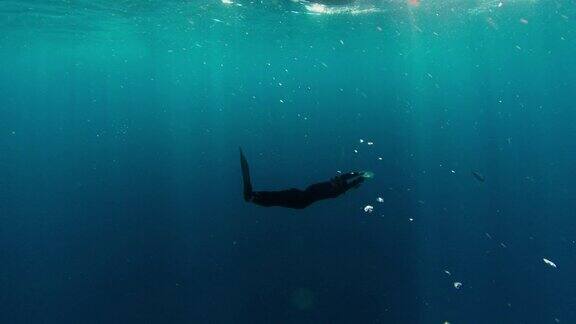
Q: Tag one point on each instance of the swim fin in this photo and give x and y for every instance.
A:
(246, 177)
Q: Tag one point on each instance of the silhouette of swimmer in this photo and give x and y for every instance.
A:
(296, 198)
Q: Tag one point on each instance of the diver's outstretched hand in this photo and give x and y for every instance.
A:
(356, 182)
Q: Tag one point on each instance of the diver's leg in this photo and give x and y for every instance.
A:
(248, 193)
(291, 198)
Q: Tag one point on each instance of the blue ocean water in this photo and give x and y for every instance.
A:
(120, 186)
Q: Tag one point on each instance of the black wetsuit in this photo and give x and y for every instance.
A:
(296, 198)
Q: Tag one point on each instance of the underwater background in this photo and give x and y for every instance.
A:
(120, 185)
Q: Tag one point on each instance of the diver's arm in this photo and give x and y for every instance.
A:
(354, 183)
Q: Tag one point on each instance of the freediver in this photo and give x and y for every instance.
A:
(296, 198)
